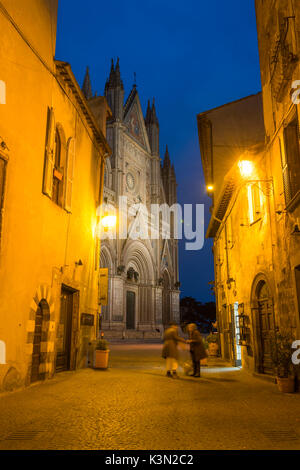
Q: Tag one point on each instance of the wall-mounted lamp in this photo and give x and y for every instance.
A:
(108, 222)
(246, 168)
(229, 282)
(209, 188)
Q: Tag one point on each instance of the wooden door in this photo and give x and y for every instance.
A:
(64, 332)
(266, 324)
(36, 353)
(130, 310)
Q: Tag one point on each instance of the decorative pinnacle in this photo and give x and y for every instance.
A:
(87, 87)
(167, 161)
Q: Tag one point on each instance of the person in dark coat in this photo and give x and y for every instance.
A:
(197, 348)
(170, 352)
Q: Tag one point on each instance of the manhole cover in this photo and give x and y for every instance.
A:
(282, 435)
(22, 436)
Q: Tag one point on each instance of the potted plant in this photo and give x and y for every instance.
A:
(281, 353)
(213, 345)
(101, 354)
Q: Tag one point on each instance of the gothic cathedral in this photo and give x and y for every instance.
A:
(143, 273)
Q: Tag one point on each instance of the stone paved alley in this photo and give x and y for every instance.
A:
(134, 406)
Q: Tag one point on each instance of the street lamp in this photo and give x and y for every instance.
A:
(246, 168)
(108, 222)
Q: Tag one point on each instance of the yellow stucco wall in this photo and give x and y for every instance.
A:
(40, 241)
(267, 248)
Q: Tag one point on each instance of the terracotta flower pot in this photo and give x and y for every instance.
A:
(213, 349)
(286, 384)
(101, 358)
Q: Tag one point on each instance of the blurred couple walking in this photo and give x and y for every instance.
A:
(170, 352)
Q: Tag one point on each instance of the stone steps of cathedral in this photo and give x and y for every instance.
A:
(133, 336)
(134, 341)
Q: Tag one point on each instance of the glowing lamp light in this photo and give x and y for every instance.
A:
(246, 168)
(210, 188)
(108, 221)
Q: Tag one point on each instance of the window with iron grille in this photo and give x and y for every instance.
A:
(245, 331)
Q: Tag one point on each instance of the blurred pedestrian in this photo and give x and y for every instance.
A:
(170, 352)
(197, 348)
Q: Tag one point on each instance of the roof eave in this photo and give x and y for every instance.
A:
(67, 75)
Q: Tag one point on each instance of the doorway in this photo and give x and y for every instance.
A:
(36, 352)
(236, 344)
(41, 313)
(130, 310)
(266, 327)
(166, 313)
(64, 331)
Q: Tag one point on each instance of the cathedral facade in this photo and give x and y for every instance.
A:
(143, 292)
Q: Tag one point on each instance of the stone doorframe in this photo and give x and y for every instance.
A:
(256, 333)
(42, 299)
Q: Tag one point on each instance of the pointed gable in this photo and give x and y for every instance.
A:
(134, 119)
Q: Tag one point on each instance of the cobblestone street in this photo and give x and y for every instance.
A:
(134, 406)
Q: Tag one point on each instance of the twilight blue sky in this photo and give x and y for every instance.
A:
(191, 56)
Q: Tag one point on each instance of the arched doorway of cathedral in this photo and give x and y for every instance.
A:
(166, 300)
(106, 262)
(41, 319)
(139, 298)
(263, 323)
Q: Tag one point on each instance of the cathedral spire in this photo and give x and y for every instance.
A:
(153, 111)
(167, 161)
(87, 87)
(114, 91)
(118, 80)
(152, 127)
(148, 114)
(110, 81)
